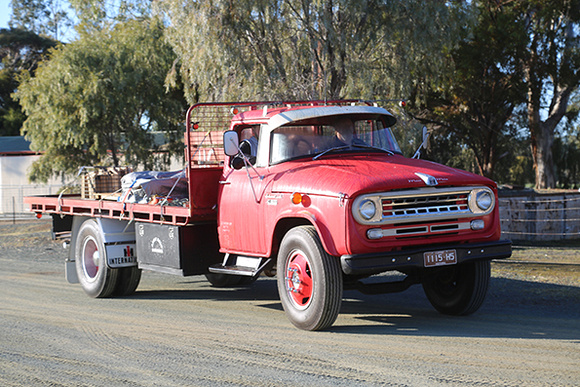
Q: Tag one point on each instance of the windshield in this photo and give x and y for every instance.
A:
(336, 135)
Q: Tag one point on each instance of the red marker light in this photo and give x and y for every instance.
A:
(235, 111)
(38, 215)
(196, 126)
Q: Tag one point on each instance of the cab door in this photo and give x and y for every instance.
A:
(241, 224)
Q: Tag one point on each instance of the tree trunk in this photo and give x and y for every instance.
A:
(542, 137)
(536, 72)
(542, 133)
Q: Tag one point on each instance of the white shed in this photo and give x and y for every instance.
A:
(15, 160)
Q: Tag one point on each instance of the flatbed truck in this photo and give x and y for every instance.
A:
(316, 193)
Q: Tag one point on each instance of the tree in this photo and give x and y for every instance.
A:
(274, 49)
(552, 74)
(567, 147)
(96, 15)
(476, 103)
(44, 17)
(98, 99)
(567, 159)
(20, 51)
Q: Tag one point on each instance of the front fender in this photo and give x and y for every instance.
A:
(331, 233)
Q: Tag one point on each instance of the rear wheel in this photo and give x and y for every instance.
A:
(127, 281)
(95, 277)
(309, 280)
(458, 290)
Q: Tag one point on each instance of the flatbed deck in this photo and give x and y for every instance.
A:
(203, 187)
(74, 205)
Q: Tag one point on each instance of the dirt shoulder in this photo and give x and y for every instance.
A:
(177, 331)
(555, 263)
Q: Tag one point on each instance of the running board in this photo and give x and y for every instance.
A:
(240, 265)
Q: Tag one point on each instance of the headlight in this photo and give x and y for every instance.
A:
(481, 200)
(367, 209)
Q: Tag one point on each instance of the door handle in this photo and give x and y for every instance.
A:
(224, 182)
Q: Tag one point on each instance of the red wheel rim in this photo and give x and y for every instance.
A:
(90, 258)
(299, 283)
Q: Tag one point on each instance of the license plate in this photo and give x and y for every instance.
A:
(440, 258)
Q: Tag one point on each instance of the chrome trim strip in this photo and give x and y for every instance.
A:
(418, 230)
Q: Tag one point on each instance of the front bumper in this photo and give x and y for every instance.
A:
(368, 264)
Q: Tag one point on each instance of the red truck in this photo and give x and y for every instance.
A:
(316, 193)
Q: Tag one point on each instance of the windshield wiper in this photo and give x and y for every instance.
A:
(336, 148)
(390, 152)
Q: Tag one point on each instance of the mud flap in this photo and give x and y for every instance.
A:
(70, 272)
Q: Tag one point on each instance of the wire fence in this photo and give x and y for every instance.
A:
(11, 199)
(549, 217)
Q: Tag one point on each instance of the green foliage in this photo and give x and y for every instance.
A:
(43, 17)
(20, 51)
(98, 99)
(552, 73)
(310, 49)
(95, 15)
(477, 101)
(567, 158)
(466, 69)
(11, 118)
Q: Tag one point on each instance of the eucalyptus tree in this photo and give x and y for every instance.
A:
(94, 15)
(477, 101)
(98, 99)
(43, 17)
(20, 51)
(552, 74)
(279, 49)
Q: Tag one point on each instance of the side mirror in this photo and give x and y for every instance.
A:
(231, 141)
(423, 144)
(425, 137)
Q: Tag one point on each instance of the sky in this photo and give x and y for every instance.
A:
(5, 11)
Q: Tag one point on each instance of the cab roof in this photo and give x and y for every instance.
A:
(278, 116)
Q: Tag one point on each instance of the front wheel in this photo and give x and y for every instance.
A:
(309, 280)
(458, 290)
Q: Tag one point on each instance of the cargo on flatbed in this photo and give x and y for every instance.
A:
(203, 199)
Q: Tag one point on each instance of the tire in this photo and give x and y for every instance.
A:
(458, 290)
(229, 281)
(309, 280)
(127, 281)
(246, 281)
(95, 277)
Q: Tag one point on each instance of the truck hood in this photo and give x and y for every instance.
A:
(356, 174)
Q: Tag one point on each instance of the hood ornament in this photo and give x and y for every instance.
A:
(428, 179)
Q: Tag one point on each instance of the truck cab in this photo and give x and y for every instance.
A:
(329, 200)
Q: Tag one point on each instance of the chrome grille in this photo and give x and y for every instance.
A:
(421, 212)
(420, 205)
(447, 204)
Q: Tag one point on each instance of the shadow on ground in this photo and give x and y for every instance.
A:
(513, 309)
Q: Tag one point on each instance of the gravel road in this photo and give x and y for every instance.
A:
(178, 331)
